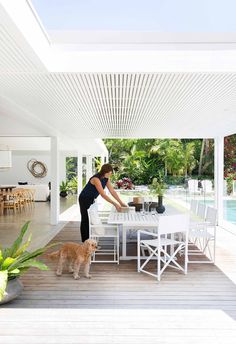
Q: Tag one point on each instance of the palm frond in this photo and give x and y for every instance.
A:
(23, 248)
(33, 263)
(15, 246)
(30, 255)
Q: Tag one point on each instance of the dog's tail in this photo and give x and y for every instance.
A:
(53, 255)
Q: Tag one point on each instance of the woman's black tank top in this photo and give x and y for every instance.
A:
(90, 191)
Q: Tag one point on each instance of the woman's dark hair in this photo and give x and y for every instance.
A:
(105, 169)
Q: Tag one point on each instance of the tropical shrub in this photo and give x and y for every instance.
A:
(230, 176)
(73, 184)
(15, 260)
(125, 183)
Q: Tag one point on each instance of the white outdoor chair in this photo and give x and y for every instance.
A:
(207, 186)
(159, 247)
(199, 216)
(201, 211)
(193, 186)
(193, 206)
(203, 238)
(107, 237)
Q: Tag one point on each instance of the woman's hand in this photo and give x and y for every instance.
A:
(118, 207)
(124, 205)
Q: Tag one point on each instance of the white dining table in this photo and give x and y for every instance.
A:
(132, 220)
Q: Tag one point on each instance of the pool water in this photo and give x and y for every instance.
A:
(229, 210)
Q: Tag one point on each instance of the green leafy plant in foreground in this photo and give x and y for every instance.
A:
(15, 260)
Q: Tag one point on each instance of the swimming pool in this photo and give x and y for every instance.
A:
(229, 209)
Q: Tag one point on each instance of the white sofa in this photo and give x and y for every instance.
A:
(41, 191)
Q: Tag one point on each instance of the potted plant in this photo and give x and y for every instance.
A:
(158, 187)
(14, 261)
(73, 185)
(64, 188)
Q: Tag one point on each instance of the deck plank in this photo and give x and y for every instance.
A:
(119, 305)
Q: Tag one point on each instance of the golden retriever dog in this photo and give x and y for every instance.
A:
(74, 255)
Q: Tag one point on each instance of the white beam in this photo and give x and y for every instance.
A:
(89, 171)
(219, 176)
(55, 207)
(79, 173)
(102, 160)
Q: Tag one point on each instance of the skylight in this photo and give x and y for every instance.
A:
(138, 15)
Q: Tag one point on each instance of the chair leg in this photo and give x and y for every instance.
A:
(159, 266)
(186, 258)
(138, 253)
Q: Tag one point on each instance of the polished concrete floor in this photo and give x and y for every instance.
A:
(39, 217)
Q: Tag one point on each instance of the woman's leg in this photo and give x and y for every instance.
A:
(84, 225)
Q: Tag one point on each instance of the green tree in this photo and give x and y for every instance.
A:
(142, 159)
(189, 159)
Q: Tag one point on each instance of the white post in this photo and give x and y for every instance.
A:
(102, 160)
(106, 159)
(55, 206)
(89, 171)
(219, 176)
(79, 174)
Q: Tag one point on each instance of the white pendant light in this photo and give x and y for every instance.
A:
(5, 159)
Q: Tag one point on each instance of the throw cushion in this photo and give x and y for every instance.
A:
(95, 220)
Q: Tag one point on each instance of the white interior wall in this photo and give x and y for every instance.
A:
(19, 171)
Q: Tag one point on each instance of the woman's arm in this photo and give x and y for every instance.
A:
(115, 194)
(98, 185)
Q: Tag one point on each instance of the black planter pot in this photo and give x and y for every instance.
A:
(63, 193)
(160, 207)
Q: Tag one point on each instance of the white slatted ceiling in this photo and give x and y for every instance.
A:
(127, 105)
(15, 54)
(115, 105)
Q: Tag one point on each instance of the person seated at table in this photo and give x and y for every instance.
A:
(92, 189)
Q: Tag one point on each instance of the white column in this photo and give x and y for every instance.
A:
(102, 160)
(106, 159)
(219, 176)
(89, 171)
(79, 173)
(55, 206)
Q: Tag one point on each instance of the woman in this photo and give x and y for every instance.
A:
(92, 189)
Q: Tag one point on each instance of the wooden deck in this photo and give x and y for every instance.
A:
(119, 305)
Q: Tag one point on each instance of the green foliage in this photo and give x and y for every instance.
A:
(98, 163)
(3, 283)
(73, 184)
(230, 176)
(158, 185)
(15, 260)
(64, 186)
(140, 159)
(230, 153)
(174, 180)
(71, 167)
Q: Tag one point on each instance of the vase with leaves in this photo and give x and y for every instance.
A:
(158, 188)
